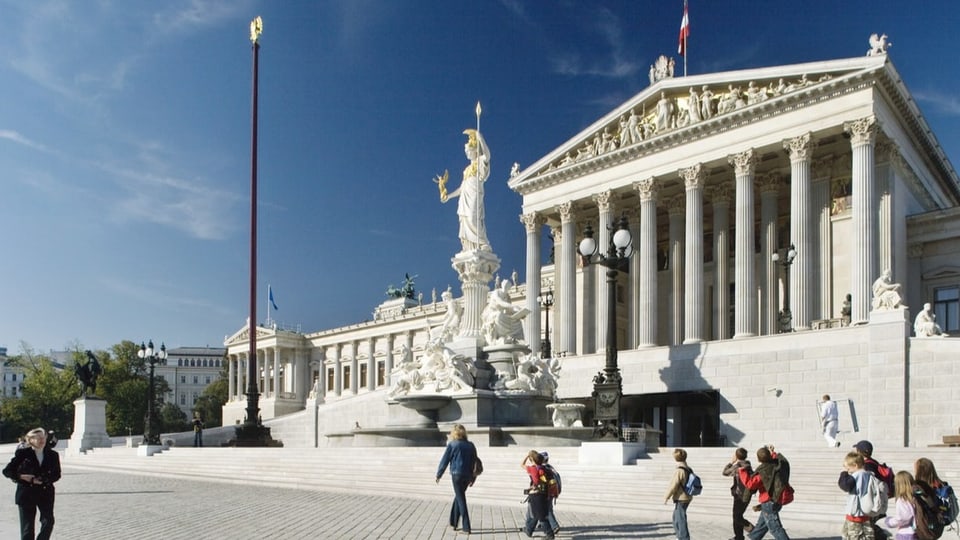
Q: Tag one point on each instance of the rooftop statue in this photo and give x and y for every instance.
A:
(473, 230)
(878, 45)
(406, 290)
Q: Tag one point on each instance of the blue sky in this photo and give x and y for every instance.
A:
(125, 139)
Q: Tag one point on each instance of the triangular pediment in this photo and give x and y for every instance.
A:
(677, 110)
(243, 335)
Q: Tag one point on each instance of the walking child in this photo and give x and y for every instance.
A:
(741, 495)
(904, 513)
(676, 492)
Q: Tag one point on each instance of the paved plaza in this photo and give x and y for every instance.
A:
(111, 505)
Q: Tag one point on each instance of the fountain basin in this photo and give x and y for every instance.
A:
(566, 414)
(426, 405)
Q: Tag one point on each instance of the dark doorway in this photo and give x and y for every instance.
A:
(693, 417)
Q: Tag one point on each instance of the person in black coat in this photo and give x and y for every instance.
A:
(35, 469)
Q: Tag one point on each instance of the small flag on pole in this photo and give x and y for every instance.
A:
(684, 31)
(270, 296)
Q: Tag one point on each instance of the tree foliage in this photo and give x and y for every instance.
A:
(173, 419)
(210, 403)
(46, 400)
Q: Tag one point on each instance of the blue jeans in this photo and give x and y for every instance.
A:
(769, 521)
(458, 509)
(680, 520)
(198, 438)
(548, 524)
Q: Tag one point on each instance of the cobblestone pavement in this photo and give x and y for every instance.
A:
(94, 505)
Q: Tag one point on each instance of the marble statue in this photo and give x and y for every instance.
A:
(846, 309)
(449, 327)
(664, 113)
(515, 170)
(925, 324)
(632, 134)
(438, 371)
(755, 94)
(473, 230)
(406, 374)
(534, 375)
(706, 103)
(878, 45)
(501, 321)
(886, 294)
(693, 106)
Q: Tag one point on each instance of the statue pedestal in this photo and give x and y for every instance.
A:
(503, 360)
(89, 425)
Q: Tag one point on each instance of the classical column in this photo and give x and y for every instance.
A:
(588, 321)
(648, 189)
(769, 185)
(241, 374)
(884, 150)
(568, 274)
(371, 364)
(556, 330)
(533, 223)
(822, 304)
(633, 289)
(802, 276)
(232, 380)
(676, 208)
(605, 219)
(388, 362)
(694, 300)
(353, 349)
(863, 267)
(275, 376)
(337, 370)
(745, 280)
(721, 196)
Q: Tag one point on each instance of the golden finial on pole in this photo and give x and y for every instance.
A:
(256, 28)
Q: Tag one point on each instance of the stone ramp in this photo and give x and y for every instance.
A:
(409, 472)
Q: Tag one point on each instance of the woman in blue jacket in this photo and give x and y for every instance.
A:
(460, 456)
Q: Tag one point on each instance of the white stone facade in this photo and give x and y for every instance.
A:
(833, 157)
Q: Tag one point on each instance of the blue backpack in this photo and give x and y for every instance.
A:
(693, 486)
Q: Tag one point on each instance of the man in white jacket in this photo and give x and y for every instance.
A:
(828, 420)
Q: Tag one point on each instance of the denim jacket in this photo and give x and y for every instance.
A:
(459, 455)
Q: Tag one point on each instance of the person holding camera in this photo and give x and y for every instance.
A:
(35, 469)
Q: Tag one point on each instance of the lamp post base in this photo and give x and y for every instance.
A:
(606, 412)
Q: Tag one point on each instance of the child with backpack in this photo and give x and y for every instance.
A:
(882, 472)
(553, 491)
(865, 502)
(772, 481)
(925, 472)
(741, 495)
(903, 518)
(537, 501)
(680, 494)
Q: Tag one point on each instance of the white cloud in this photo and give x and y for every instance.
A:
(16, 137)
(943, 103)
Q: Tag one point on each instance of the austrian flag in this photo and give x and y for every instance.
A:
(684, 31)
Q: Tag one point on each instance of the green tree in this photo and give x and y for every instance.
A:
(46, 400)
(173, 419)
(210, 403)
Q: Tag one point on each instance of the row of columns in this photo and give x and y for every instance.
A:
(809, 231)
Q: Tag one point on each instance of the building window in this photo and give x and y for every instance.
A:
(346, 378)
(381, 374)
(196, 379)
(195, 396)
(946, 306)
(329, 379)
(208, 379)
(363, 375)
(14, 375)
(183, 379)
(183, 399)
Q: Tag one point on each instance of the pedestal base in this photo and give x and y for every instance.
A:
(148, 450)
(610, 453)
(89, 425)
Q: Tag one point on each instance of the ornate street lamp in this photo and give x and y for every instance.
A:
(786, 318)
(607, 384)
(151, 431)
(546, 302)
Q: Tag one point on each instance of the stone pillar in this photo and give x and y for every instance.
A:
(745, 281)
(863, 134)
(232, 379)
(556, 329)
(693, 327)
(802, 276)
(883, 151)
(352, 350)
(676, 208)
(721, 195)
(647, 332)
(588, 322)
(337, 370)
(475, 269)
(823, 302)
(568, 275)
(605, 219)
(633, 279)
(241, 376)
(769, 242)
(371, 364)
(533, 223)
(388, 362)
(277, 380)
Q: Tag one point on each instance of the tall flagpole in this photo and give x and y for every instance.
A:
(686, 22)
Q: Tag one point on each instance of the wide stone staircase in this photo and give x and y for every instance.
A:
(635, 489)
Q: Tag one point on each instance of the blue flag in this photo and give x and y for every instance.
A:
(270, 295)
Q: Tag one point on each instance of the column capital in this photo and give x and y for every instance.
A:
(567, 212)
(604, 200)
(647, 189)
(556, 233)
(862, 131)
(744, 163)
(770, 183)
(693, 177)
(721, 193)
(800, 148)
(676, 205)
(886, 149)
(532, 221)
